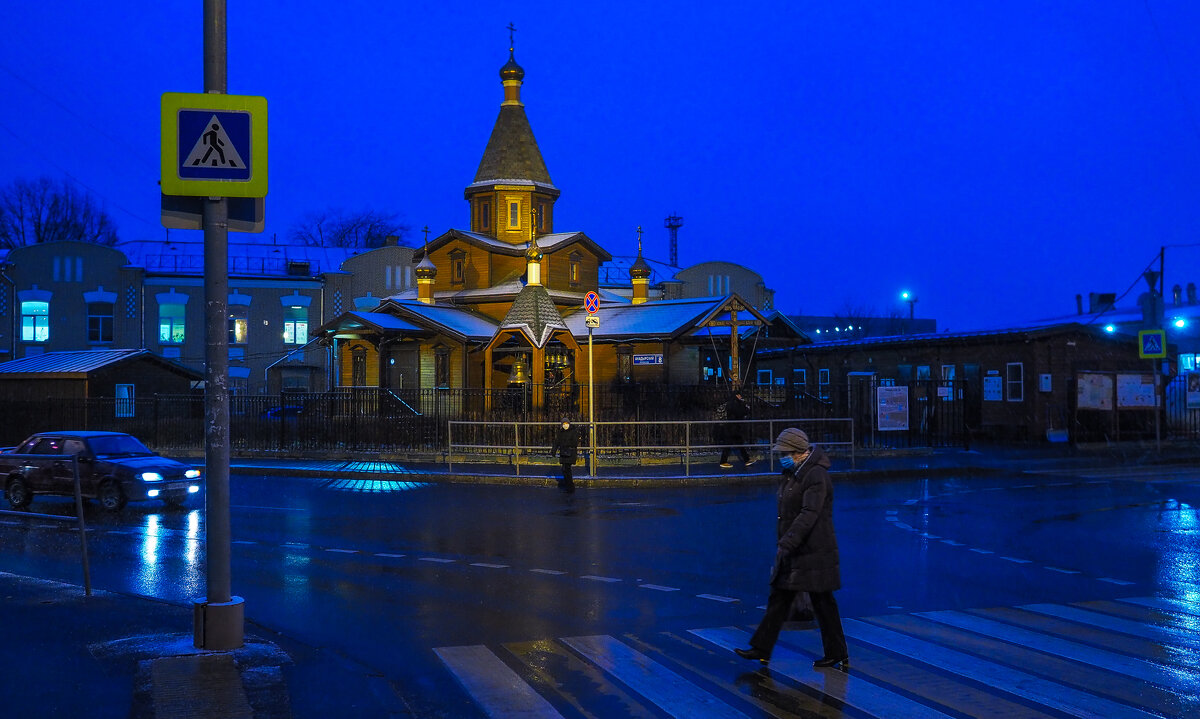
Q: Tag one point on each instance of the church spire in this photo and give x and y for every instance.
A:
(639, 275)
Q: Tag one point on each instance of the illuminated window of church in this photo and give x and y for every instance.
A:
(541, 216)
(573, 267)
(514, 214)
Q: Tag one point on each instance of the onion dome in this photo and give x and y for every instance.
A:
(639, 270)
(425, 270)
(511, 70)
(533, 253)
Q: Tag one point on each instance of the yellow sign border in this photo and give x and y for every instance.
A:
(1162, 335)
(173, 184)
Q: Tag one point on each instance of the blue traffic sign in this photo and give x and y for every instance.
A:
(214, 145)
(1152, 344)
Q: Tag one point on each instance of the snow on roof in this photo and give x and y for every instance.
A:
(79, 362)
(385, 321)
(649, 319)
(458, 321)
(245, 258)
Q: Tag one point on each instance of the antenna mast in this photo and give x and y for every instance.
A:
(673, 223)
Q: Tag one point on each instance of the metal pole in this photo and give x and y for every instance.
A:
(218, 618)
(87, 569)
(591, 408)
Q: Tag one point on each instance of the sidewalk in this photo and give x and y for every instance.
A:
(114, 655)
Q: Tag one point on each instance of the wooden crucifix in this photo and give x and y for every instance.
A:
(735, 369)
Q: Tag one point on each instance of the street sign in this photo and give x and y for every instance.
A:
(648, 359)
(1152, 344)
(214, 145)
(591, 303)
(591, 321)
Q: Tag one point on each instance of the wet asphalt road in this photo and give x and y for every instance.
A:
(383, 572)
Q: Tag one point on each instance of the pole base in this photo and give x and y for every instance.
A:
(218, 626)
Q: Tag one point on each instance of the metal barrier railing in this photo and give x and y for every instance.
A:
(521, 439)
(83, 547)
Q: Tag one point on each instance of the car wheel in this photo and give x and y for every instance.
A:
(174, 501)
(19, 495)
(111, 496)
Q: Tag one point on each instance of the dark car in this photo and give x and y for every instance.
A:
(114, 468)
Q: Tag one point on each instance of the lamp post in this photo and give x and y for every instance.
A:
(911, 299)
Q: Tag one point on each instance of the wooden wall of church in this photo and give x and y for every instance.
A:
(367, 367)
(556, 270)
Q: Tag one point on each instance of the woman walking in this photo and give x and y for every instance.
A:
(566, 446)
(806, 558)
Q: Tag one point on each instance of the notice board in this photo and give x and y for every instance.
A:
(891, 408)
(1136, 391)
(1094, 391)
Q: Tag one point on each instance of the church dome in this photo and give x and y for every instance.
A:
(511, 70)
(533, 253)
(640, 269)
(425, 270)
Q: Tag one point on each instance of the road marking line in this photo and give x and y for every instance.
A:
(982, 551)
(892, 511)
(952, 543)
(661, 686)
(300, 545)
(273, 509)
(343, 551)
(717, 598)
(1017, 561)
(927, 535)
(242, 541)
(438, 560)
(386, 554)
(1120, 582)
(1062, 571)
(547, 571)
(499, 690)
(902, 525)
(489, 565)
(658, 588)
(594, 578)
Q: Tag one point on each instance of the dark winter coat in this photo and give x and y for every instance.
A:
(807, 558)
(735, 410)
(566, 444)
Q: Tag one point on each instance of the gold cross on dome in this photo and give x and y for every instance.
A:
(511, 30)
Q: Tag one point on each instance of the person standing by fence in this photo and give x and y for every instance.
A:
(732, 430)
(566, 446)
(806, 558)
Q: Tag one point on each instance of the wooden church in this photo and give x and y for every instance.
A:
(501, 304)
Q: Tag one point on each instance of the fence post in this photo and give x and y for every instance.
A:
(450, 446)
(687, 448)
(517, 445)
(852, 456)
(87, 570)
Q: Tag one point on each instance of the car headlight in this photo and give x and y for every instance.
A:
(192, 473)
(151, 477)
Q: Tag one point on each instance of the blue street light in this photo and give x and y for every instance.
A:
(1110, 328)
(1180, 322)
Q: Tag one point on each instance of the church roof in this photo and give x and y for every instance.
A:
(649, 320)
(512, 152)
(534, 312)
(552, 242)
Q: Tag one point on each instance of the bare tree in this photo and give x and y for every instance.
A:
(337, 228)
(42, 210)
(856, 318)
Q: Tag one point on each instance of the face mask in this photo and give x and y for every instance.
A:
(787, 462)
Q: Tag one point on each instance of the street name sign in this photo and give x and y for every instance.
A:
(656, 358)
(214, 145)
(1152, 344)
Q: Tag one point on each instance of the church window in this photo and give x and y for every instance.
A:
(514, 215)
(441, 367)
(624, 364)
(458, 261)
(485, 215)
(239, 324)
(541, 217)
(573, 267)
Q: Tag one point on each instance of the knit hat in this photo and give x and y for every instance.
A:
(791, 440)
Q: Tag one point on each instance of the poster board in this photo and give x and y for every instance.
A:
(1136, 391)
(891, 408)
(1094, 391)
(993, 388)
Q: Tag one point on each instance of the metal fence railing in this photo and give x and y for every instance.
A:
(636, 441)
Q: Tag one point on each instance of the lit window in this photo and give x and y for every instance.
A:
(1187, 363)
(35, 321)
(823, 383)
(1015, 381)
(295, 325)
(124, 403)
(239, 324)
(514, 214)
(100, 322)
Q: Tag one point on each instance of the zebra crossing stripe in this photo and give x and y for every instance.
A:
(1170, 605)
(495, 687)
(1051, 694)
(1144, 630)
(855, 692)
(1102, 658)
(663, 687)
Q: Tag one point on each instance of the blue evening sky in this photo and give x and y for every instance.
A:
(996, 158)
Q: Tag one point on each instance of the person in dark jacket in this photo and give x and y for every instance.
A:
(806, 558)
(566, 446)
(736, 410)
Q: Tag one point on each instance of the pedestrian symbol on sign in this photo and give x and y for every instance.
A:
(214, 149)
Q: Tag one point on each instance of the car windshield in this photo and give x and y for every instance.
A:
(117, 444)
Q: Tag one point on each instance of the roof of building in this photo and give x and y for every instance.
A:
(79, 363)
(552, 242)
(455, 321)
(381, 321)
(534, 313)
(245, 258)
(649, 320)
(512, 152)
(615, 272)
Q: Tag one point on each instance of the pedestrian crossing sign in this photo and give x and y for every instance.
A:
(214, 145)
(1152, 344)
